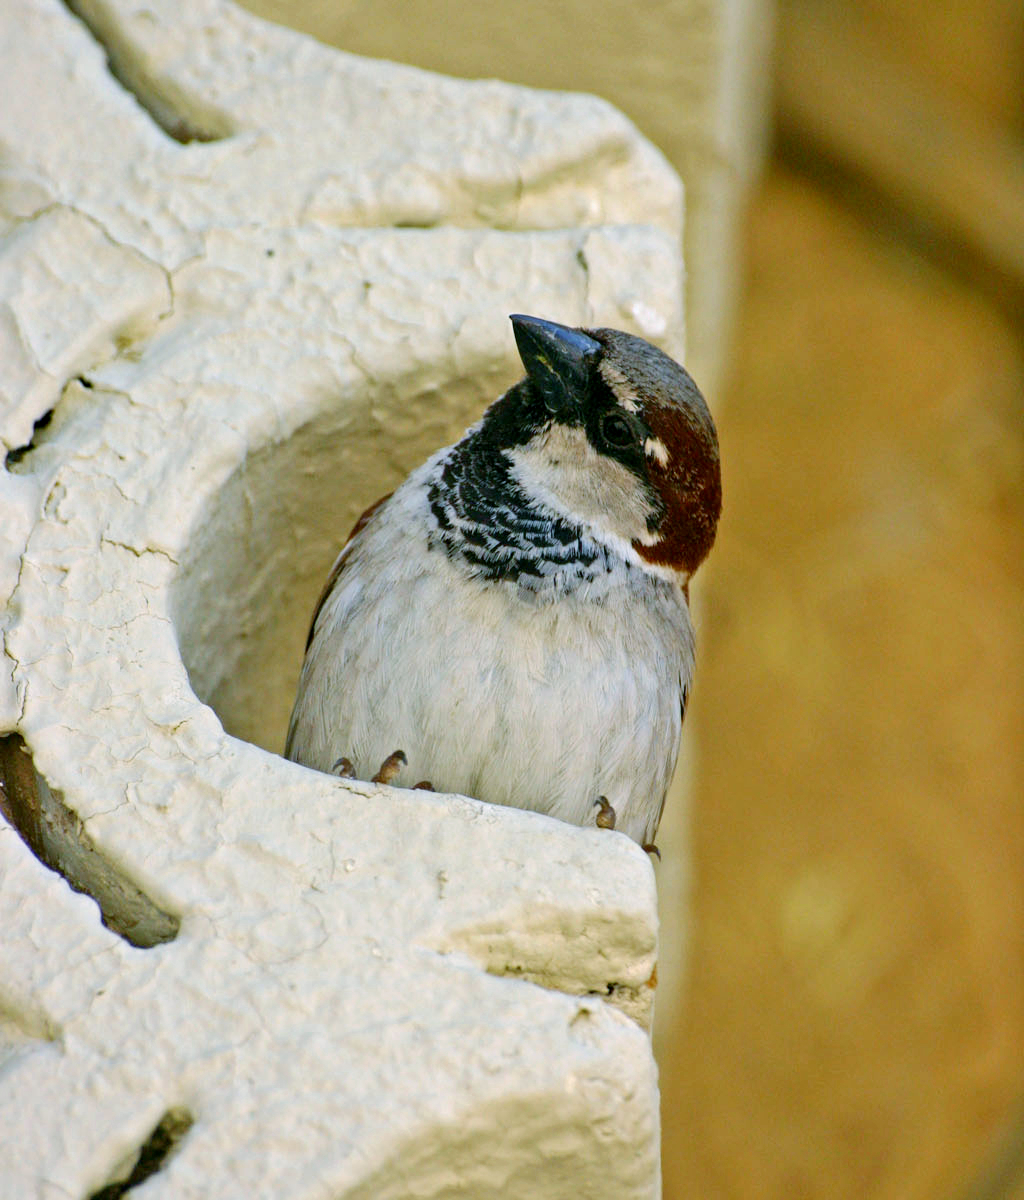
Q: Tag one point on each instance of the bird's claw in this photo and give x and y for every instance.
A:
(651, 848)
(605, 818)
(344, 769)
(390, 767)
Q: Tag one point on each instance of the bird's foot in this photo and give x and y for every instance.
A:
(390, 767)
(605, 818)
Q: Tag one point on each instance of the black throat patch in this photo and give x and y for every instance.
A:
(485, 520)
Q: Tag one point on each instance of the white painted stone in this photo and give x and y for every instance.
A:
(302, 134)
(372, 992)
(692, 74)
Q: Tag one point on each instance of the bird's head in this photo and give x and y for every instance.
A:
(610, 432)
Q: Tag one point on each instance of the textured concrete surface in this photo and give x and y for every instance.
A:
(224, 292)
(693, 75)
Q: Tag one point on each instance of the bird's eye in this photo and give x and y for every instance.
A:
(616, 430)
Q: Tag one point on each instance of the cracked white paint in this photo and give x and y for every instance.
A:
(241, 352)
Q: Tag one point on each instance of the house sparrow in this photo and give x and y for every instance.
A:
(515, 616)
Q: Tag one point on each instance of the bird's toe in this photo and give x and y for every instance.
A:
(390, 767)
(605, 818)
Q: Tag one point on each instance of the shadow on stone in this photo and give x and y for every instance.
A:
(57, 837)
(15, 456)
(156, 97)
(152, 1154)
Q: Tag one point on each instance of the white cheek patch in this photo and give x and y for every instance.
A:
(562, 469)
(655, 448)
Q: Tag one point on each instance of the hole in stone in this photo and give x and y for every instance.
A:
(254, 566)
(151, 1156)
(56, 836)
(182, 116)
(18, 453)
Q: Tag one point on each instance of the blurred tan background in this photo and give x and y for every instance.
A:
(854, 1024)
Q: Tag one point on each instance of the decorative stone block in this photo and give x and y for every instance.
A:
(246, 283)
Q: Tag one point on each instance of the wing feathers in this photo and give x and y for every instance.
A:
(339, 562)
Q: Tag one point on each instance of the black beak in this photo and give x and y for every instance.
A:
(558, 361)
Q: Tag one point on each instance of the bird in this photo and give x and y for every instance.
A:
(515, 615)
